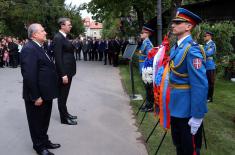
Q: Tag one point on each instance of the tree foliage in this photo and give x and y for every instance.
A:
(132, 14)
(223, 34)
(143, 9)
(18, 14)
(110, 28)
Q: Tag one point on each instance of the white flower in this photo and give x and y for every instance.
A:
(147, 75)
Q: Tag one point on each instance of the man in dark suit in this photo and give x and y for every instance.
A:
(101, 49)
(13, 51)
(90, 42)
(39, 88)
(116, 51)
(66, 68)
(85, 49)
(106, 43)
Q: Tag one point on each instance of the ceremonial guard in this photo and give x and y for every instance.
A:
(146, 45)
(210, 49)
(116, 51)
(145, 48)
(188, 85)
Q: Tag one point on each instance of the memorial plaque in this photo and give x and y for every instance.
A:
(129, 51)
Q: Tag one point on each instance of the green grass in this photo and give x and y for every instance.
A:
(219, 125)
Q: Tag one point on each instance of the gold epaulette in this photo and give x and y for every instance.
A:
(203, 52)
(183, 57)
(173, 67)
(175, 72)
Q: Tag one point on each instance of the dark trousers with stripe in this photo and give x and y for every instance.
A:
(149, 95)
(182, 137)
(211, 81)
(62, 99)
(38, 121)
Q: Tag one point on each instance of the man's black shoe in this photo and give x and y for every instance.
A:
(69, 121)
(71, 116)
(45, 152)
(50, 145)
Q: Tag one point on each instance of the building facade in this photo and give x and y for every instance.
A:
(92, 29)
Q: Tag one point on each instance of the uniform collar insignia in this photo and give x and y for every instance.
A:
(181, 46)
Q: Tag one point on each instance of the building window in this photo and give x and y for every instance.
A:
(94, 32)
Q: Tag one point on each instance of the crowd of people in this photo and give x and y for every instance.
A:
(10, 48)
(90, 49)
(106, 50)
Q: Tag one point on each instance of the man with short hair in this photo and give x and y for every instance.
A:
(188, 85)
(210, 50)
(39, 88)
(66, 68)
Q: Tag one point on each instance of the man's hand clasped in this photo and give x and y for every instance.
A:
(38, 102)
(65, 79)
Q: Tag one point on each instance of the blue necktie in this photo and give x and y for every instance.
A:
(176, 45)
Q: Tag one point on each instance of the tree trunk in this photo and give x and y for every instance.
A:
(174, 5)
(159, 22)
(140, 17)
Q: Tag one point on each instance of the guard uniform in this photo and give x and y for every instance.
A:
(210, 49)
(144, 48)
(188, 89)
(188, 80)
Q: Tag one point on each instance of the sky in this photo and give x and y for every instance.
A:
(77, 3)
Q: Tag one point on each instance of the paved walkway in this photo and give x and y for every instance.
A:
(105, 124)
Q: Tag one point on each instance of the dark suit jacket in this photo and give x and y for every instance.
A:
(102, 46)
(13, 48)
(39, 74)
(85, 45)
(64, 56)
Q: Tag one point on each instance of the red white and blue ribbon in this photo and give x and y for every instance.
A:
(161, 84)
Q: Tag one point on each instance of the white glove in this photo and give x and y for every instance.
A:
(194, 123)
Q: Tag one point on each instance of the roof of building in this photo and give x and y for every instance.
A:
(96, 25)
(92, 24)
